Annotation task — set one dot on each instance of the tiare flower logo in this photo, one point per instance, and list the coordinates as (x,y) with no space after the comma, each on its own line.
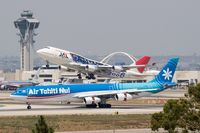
(167,74)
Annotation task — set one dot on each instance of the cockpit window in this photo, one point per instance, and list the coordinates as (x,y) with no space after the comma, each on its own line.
(21,91)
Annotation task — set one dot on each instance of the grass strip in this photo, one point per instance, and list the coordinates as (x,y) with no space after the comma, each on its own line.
(24,124)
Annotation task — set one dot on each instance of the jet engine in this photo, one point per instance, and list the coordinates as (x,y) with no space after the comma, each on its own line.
(123,97)
(91,68)
(3,86)
(91,100)
(117,68)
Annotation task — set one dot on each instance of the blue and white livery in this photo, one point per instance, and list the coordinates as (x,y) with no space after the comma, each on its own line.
(97,94)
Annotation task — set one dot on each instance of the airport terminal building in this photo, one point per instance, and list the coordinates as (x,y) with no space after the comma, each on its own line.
(54,74)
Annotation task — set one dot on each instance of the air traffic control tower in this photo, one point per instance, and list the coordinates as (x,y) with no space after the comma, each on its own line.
(26,25)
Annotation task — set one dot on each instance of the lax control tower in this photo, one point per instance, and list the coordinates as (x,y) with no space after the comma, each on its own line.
(26,25)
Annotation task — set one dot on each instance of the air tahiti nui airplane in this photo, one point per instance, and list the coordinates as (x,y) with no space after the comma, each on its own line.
(94,95)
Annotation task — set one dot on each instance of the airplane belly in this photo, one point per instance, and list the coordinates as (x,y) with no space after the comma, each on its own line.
(57,61)
(19,98)
(54,98)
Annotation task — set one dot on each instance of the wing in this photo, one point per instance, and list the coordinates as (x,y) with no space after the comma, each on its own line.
(111,92)
(105,68)
(85,68)
(127,67)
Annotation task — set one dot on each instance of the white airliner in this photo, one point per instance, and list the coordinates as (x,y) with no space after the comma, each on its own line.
(87,66)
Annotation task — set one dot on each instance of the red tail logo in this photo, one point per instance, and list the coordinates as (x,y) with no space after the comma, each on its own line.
(142,61)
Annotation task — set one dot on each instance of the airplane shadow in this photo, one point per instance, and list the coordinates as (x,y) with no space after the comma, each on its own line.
(80,107)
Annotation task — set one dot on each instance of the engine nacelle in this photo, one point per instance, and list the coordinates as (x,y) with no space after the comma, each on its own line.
(117,68)
(91,68)
(3,86)
(123,97)
(91,100)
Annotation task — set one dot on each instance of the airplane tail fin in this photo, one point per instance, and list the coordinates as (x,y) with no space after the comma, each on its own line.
(167,72)
(142,61)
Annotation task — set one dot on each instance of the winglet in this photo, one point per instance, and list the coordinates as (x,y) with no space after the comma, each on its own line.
(142,61)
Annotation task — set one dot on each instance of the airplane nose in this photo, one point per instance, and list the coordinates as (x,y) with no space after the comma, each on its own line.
(44,53)
(40,51)
(13,94)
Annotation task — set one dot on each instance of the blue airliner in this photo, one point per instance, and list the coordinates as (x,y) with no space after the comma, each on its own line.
(97,94)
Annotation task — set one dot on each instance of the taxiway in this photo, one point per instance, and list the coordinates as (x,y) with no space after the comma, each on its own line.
(52,109)
(12,108)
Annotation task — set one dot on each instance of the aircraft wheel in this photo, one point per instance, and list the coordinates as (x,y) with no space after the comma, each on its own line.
(108,105)
(79,76)
(28,107)
(92,76)
(88,77)
(91,105)
(101,105)
(104,105)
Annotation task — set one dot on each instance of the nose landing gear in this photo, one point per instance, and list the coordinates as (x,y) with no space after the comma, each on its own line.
(28,105)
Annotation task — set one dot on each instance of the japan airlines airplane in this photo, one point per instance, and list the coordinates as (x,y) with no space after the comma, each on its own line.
(97,94)
(87,66)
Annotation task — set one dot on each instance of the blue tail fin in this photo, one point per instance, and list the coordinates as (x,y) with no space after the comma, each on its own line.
(167,72)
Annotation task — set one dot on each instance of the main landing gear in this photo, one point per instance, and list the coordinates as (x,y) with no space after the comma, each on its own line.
(99,104)
(104,105)
(28,105)
(79,76)
(91,105)
(47,65)
(90,76)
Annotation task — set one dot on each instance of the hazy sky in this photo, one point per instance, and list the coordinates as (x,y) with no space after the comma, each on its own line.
(151,27)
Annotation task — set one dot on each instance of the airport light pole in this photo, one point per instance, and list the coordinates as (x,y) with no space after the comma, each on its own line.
(114,121)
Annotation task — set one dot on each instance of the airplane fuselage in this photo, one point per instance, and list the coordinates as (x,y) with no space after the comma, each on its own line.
(70,92)
(74,61)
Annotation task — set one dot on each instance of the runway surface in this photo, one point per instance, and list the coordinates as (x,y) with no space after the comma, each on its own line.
(60,109)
